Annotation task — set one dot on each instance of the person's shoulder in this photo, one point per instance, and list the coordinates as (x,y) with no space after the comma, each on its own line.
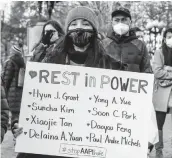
(139,44)
(8,62)
(159,52)
(38,48)
(16,58)
(106,42)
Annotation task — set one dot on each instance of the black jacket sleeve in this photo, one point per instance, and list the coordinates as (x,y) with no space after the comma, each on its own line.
(4,113)
(145,64)
(8,74)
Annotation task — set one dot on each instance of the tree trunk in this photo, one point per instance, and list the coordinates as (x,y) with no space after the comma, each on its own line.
(168,14)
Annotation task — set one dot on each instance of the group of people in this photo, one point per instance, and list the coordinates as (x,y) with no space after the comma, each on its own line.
(79,44)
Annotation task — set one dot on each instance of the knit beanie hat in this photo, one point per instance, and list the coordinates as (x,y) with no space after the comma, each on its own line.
(82,12)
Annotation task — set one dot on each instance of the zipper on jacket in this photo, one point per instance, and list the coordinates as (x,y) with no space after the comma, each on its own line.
(120,56)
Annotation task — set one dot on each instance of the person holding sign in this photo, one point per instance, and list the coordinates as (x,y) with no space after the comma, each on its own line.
(51,33)
(80,46)
(162,96)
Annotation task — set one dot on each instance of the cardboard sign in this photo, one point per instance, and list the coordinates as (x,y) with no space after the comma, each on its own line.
(84,112)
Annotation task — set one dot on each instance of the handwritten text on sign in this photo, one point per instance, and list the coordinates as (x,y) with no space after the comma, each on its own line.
(84,112)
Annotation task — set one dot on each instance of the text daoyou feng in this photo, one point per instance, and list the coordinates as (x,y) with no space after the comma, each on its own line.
(132,85)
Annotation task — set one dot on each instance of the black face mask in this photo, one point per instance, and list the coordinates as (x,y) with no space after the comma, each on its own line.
(47,37)
(81,37)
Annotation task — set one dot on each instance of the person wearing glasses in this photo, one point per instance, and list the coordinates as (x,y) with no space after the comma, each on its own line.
(51,34)
(123,45)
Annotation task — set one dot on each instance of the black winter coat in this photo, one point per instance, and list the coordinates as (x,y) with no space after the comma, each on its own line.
(129,51)
(10,79)
(4,112)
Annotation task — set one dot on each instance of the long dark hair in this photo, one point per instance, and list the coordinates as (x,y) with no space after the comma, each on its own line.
(167,52)
(56,25)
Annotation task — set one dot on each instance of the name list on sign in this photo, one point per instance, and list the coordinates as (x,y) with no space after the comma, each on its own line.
(91,124)
(53,114)
(95,111)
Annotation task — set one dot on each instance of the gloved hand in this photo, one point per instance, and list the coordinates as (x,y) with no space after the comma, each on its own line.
(47,37)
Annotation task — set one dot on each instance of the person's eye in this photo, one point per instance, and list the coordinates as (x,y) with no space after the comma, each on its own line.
(124,20)
(116,20)
(86,24)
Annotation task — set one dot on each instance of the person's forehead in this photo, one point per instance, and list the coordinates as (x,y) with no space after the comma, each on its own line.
(120,16)
(169,34)
(80,20)
(49,26)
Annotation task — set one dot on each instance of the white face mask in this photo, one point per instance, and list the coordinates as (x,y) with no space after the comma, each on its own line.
(121,28)
(169,42)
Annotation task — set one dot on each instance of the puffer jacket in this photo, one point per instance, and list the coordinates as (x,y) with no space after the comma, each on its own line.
(129,51)
(4,112)
(10,79)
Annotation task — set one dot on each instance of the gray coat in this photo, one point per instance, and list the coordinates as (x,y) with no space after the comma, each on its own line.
(160,94)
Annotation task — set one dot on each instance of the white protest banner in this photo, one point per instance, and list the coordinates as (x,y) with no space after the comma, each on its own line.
(84,112)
